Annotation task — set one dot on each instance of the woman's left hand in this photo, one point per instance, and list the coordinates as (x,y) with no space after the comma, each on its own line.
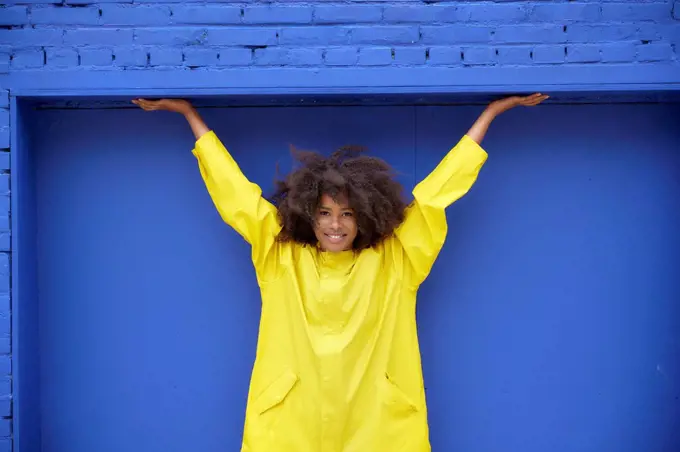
(499,106)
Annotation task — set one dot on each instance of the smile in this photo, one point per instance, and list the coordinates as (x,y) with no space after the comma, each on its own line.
(335,237)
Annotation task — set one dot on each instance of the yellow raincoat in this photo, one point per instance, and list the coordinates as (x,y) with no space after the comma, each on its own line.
(337,367)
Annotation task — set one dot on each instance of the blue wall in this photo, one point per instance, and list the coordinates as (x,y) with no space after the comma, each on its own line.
(66,47)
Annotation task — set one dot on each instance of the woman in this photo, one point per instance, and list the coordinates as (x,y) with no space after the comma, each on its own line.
(339,258)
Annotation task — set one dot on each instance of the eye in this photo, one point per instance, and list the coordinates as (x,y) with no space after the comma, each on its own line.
(323,212)
(348,214)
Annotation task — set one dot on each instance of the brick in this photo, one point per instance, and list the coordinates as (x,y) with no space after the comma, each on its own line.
(480,12)
(29,37)
(135,15)
(200,57)
(617,12)
(560,12)
(4,62)
(410,56)
(547,54)
(5,241)
(98,37)
(528,34)
(5,368)
(514,55)
(162,56)
(4,165)
(4,98)
(192,1)
(28,59)
(5,385)
(305,36)
(206,15)
(235,57)
(455,34)
(676,10)
(96,57)
(90,2)
(384,35)
(351,14)
(479,56)
(4,225)
(130,56)
(661,51)
(6,445)
(4,144)
(4,122)
(171,36)
(618,52)
(4,266)
(598,33)
(277,14)
(49,15)
(5,424)
(420,13)
(5,349)
(242,36)
(61,58)
(449,55)
(278,56)
(346,56)
(375,56)
(587,53)
(14,15)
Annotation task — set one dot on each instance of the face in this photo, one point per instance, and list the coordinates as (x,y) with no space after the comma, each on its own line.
(336,226)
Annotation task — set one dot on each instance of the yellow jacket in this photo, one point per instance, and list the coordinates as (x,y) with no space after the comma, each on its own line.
(337,367)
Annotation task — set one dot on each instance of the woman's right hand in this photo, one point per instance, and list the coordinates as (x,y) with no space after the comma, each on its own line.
(174,105)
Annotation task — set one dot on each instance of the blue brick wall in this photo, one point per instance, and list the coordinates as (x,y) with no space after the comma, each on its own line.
(57,38)
(5,306)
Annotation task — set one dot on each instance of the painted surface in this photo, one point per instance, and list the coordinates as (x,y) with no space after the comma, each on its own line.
(125,48)
(549,322)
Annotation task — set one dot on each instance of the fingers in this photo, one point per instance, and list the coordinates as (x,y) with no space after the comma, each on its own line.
(146,105)
(534,99)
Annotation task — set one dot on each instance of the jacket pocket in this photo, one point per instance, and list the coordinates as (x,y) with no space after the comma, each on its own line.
(394,398)
(276,392)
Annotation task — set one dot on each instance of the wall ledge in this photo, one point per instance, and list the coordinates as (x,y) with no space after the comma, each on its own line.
(386,80)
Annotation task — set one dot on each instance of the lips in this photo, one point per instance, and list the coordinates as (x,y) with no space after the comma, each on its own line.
(335,238)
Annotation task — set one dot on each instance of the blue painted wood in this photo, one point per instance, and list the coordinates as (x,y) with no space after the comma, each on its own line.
(552,303)
(147,301)
(26,388)
(350,80)
(551,318)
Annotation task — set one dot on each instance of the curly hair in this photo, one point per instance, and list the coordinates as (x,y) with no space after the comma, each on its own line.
(368,183)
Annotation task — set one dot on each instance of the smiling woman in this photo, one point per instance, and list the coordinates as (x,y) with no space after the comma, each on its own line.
(339,256)
(335,227)
(346,201)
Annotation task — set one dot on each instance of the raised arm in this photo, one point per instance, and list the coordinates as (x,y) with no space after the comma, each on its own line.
(239,201)
(423,232)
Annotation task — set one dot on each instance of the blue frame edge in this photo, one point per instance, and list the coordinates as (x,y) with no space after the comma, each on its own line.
(662,81)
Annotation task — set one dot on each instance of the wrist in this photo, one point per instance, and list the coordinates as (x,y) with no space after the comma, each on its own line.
(490,113)
(189,112)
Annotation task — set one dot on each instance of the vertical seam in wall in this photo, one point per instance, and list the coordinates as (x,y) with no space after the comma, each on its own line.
(415,147)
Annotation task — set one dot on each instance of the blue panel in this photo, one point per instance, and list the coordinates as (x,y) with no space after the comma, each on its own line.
(390,79)
(25,318)
(148,304)
(551,320)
